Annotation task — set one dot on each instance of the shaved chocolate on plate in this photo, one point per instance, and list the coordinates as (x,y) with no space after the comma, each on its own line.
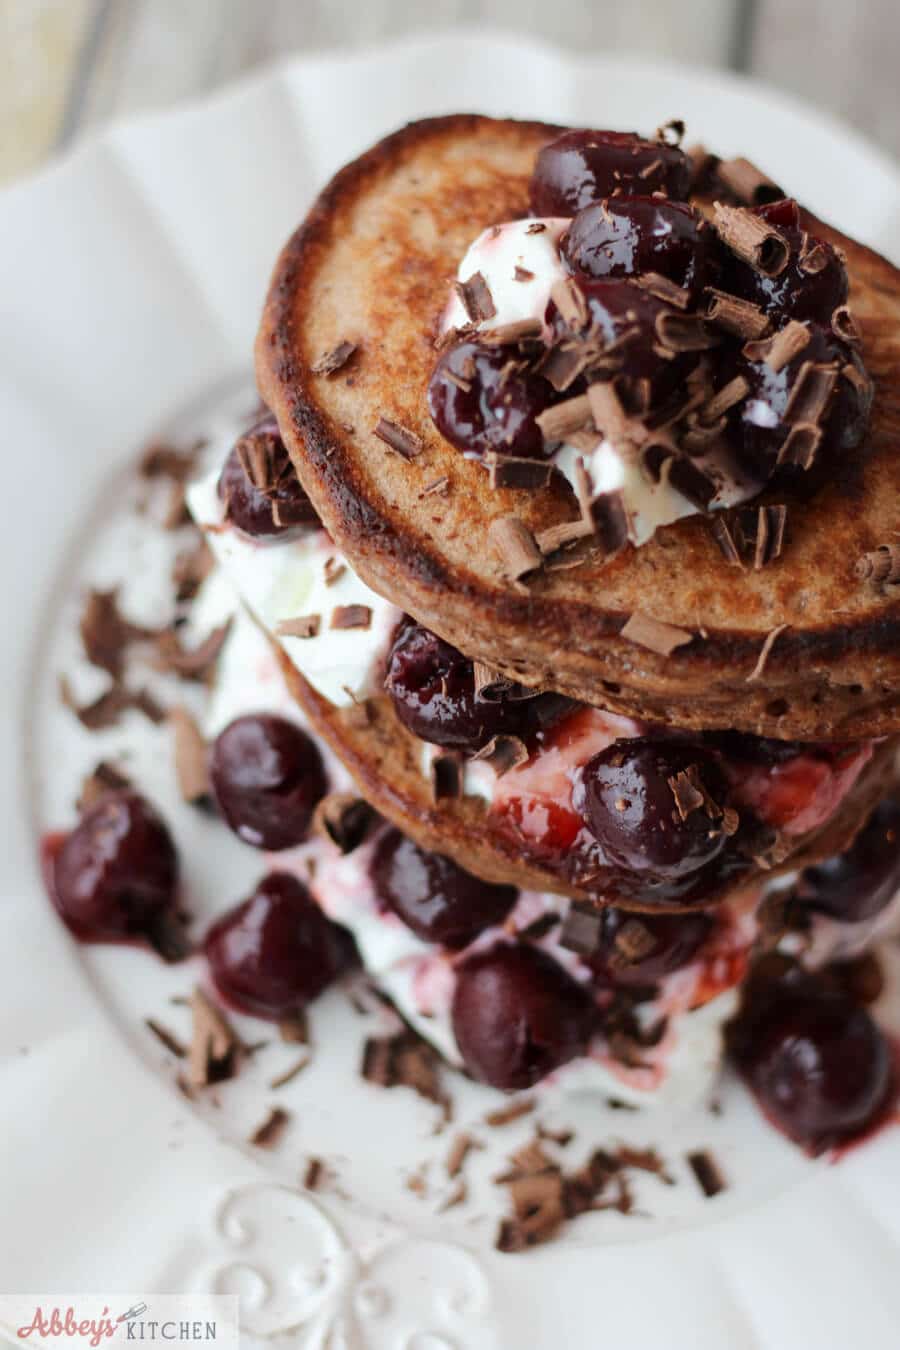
(161,460)
(765,651)
(333,569)
(351,616)
(216,1051)
(476,298)
(708,1173)
(748,183)
(191,756)
(343,818)
(522,274)
(516,546)
(741,318)
(191,568)
(103,779)
(654,634)
(404,1060)
(193,664)
(503,753)
(314,1174)
(751,239)
(505,1115)
(446,777)
(106,710)
(288,1075)
(405,442)
(106,635)
(335,359)
(462,1146)
(536,227)
(304,626)
(880,566)
(268,1134)
(166,1038)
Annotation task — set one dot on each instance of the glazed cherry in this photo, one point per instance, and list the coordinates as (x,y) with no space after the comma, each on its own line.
(757,427)
(268,777)
(480,405)
(432,687)
(630,235)
(281,508)
(617,310)
(817,1063)
(581,167)
(630,807)
(802,290)
(859,883)
(432,895)
(115,875)
(517,1015)
(274,953)
(641,949)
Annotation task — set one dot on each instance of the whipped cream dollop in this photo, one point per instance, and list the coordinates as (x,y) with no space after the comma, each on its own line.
(502,254)
(297,576)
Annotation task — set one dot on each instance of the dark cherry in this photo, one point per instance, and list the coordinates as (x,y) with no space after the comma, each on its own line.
(795,293)
(517,1015)
(858,884)
(267,776)
(116,873)
(615,308)
(757,428)
(676,940)
(276,952)
(581,167)
(489,408)
(432,895)
(817,1063)
(432,687)
(253,511)
(630,235)
(630,808)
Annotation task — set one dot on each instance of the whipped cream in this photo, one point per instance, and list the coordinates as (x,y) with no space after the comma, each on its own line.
(611,468)
(285,578)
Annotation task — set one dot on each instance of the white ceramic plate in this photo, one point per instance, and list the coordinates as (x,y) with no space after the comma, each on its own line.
(131,275)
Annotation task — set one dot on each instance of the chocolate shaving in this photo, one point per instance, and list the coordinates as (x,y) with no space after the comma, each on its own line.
(106,710)
(663,288)
(404,1060)
(516,546)
(813,256)
(609,413)
(294,1029)
(654,635)
(539,927)
(165,1037)
(522,274)
(216,1050)
(161,460)
(269,1133)
(803,440)
(685,332)
(191,665)
(314,1174)
(446,777)
(723,536)
(557,421)
(490,685)
(671,132)
(708,1173)
(770,526)
(536,227)
(344,819)
(568,298)
(781,348)
(610,522)
(405,442)
(106,635)
(632,943)
(811,394)
(508,334)
(557,537)
(507,471)
(503,753)
(581,928)
(103,779)
(452,378)
(282,1079)
(561,365)
(191,568)
(845,327)
(505,1115)
(727,397)
(688,796)
(191,756)
(304,626)
(438,486)
(748,183)
(334,360)
(741,318)
(751,239)
(460,1149)
(351,616)
(333,569)
(880,566)
(476,298)
(765,650)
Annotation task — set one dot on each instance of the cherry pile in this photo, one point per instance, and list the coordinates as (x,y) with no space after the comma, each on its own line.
(632,228)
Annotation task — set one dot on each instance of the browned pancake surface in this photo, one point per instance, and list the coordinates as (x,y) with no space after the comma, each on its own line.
(372,265)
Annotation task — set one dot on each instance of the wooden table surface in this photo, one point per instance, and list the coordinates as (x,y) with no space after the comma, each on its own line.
(69,65)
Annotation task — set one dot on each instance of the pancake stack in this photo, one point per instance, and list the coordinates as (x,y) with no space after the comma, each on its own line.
(603,605)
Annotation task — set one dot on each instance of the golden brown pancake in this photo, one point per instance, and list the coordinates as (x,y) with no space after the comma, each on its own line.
(372,264)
